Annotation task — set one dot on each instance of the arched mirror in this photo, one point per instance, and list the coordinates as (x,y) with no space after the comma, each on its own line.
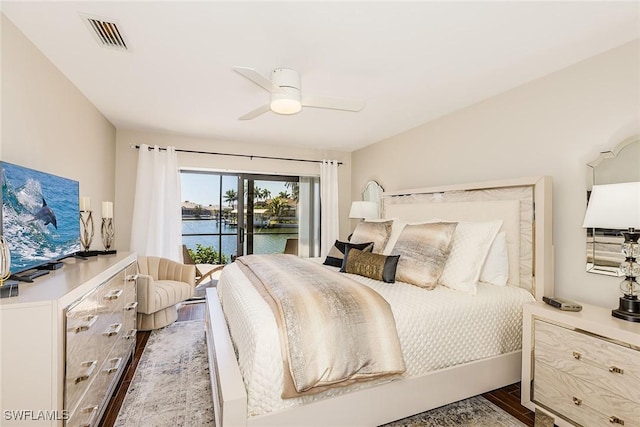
(373,193)
(621,164)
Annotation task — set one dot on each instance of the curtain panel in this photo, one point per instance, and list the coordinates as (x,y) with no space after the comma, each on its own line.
(156,228)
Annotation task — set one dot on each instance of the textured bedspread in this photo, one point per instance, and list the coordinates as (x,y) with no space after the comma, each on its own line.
(437,329)
(333,330)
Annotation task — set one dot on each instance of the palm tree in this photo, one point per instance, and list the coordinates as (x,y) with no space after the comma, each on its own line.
(266,194)
(284,195)
(295,189)
(276,206)
(230,196)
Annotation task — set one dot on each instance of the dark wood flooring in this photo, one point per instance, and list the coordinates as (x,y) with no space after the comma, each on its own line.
(507,398)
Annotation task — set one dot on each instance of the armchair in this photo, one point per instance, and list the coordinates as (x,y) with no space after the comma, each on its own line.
(162,284)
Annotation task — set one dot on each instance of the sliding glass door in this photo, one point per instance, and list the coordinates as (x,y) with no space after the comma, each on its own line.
(226,215)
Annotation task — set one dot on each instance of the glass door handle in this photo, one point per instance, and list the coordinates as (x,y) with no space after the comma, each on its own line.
(241,233)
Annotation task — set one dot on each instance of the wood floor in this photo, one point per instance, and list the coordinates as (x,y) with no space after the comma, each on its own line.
(507,398)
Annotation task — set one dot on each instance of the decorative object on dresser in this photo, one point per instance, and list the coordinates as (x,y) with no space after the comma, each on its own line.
(106,230)
(66,339)
(580,368)
(8,288)
(617,206)
(86,221)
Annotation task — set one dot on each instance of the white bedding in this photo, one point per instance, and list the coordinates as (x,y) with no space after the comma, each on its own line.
(437,329)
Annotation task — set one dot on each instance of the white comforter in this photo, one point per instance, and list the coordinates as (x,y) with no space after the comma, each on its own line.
(437,329)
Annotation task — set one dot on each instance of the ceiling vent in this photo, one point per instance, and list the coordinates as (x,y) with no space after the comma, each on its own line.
(106,32)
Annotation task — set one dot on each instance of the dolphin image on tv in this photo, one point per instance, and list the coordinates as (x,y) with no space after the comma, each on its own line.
(45,214)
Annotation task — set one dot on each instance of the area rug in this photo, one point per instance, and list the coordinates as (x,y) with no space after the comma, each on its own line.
(171,387)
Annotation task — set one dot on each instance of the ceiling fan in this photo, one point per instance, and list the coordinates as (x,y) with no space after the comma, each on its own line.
(286,98)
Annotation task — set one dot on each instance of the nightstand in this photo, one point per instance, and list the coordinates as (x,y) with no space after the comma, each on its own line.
(580,368)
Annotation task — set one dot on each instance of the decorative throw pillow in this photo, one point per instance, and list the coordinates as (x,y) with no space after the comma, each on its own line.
(336,253)
(469,249)
(374,266)
(377,232)
(496,267)
(423,249)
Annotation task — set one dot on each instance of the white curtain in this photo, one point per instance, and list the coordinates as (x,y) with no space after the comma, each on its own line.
(330,229)
(156,226)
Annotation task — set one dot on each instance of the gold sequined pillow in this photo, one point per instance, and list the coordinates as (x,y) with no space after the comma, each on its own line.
(374,266)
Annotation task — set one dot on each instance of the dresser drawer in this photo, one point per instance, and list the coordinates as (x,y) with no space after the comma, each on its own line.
(590,359)
(585,403)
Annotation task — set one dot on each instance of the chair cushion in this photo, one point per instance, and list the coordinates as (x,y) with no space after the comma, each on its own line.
(168,293)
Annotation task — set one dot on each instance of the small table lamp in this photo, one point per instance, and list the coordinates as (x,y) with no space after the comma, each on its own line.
(364,210)
(617,206)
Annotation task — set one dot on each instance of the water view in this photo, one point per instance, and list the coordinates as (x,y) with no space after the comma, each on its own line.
(208,232)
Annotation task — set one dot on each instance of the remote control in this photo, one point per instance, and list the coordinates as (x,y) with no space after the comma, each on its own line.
(562,304)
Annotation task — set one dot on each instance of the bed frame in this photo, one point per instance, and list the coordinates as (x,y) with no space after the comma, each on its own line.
(396,399)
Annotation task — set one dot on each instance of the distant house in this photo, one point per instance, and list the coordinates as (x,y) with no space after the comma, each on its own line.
(192,210)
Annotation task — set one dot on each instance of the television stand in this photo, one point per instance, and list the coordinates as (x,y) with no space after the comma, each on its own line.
(28,275)
(54,265)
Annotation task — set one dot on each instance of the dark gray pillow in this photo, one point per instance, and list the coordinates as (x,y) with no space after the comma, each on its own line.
(374,266)
(336,254)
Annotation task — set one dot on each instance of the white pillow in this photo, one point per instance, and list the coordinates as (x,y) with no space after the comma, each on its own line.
(496,267)
(469,249)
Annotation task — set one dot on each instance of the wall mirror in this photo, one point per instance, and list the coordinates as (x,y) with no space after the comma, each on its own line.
(373,193)
(621,164)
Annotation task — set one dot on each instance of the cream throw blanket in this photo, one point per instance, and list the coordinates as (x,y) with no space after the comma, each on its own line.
(333,330)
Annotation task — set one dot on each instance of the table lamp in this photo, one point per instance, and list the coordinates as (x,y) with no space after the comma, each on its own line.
(617,206)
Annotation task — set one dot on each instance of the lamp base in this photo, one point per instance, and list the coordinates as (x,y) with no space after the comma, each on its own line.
(629,309)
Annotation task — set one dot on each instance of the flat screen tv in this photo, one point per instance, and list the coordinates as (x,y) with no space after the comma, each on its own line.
(40,218)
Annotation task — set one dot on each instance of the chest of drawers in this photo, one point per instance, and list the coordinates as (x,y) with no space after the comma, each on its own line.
(581,368)
(65,340)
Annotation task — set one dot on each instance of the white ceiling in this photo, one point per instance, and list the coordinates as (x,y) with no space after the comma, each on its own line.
(410,61)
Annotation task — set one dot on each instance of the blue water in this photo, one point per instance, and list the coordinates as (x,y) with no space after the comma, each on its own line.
(31,241)
(265,240)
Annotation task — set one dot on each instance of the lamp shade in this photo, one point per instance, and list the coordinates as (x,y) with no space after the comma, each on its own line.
(366,210)
(614,206)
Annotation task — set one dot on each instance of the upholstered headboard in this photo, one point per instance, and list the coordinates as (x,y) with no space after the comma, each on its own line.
(523,205)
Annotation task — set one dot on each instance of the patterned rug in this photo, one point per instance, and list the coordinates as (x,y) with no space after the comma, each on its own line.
(171,387)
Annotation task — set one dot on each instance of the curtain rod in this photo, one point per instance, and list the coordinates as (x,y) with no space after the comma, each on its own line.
(250,156)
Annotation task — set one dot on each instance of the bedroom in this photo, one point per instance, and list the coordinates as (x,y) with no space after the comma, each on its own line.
(552,125)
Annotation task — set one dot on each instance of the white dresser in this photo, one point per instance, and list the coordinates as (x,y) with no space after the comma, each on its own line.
(581,368)
(65,341)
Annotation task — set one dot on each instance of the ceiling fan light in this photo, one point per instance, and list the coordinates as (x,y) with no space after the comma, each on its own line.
(286,106)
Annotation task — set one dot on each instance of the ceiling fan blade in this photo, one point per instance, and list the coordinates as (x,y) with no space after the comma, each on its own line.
(255,113)
(258,79)
(347,104)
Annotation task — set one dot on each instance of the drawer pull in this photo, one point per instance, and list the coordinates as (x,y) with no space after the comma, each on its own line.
(615,420)
(577,401)
(131,306)
(131,278)
(90,321)
(93,410)
(91,366)
(577,355)
(115,367)
(616,370)
(113,330)
(131,334)
(115,294)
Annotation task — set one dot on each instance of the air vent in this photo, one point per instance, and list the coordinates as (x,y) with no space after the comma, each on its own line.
(106,32)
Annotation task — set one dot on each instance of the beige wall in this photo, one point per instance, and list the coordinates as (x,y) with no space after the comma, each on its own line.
(48,125)
(126,165)
(551,126)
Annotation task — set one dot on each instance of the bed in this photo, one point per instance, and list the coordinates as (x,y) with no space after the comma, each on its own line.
(442,365)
